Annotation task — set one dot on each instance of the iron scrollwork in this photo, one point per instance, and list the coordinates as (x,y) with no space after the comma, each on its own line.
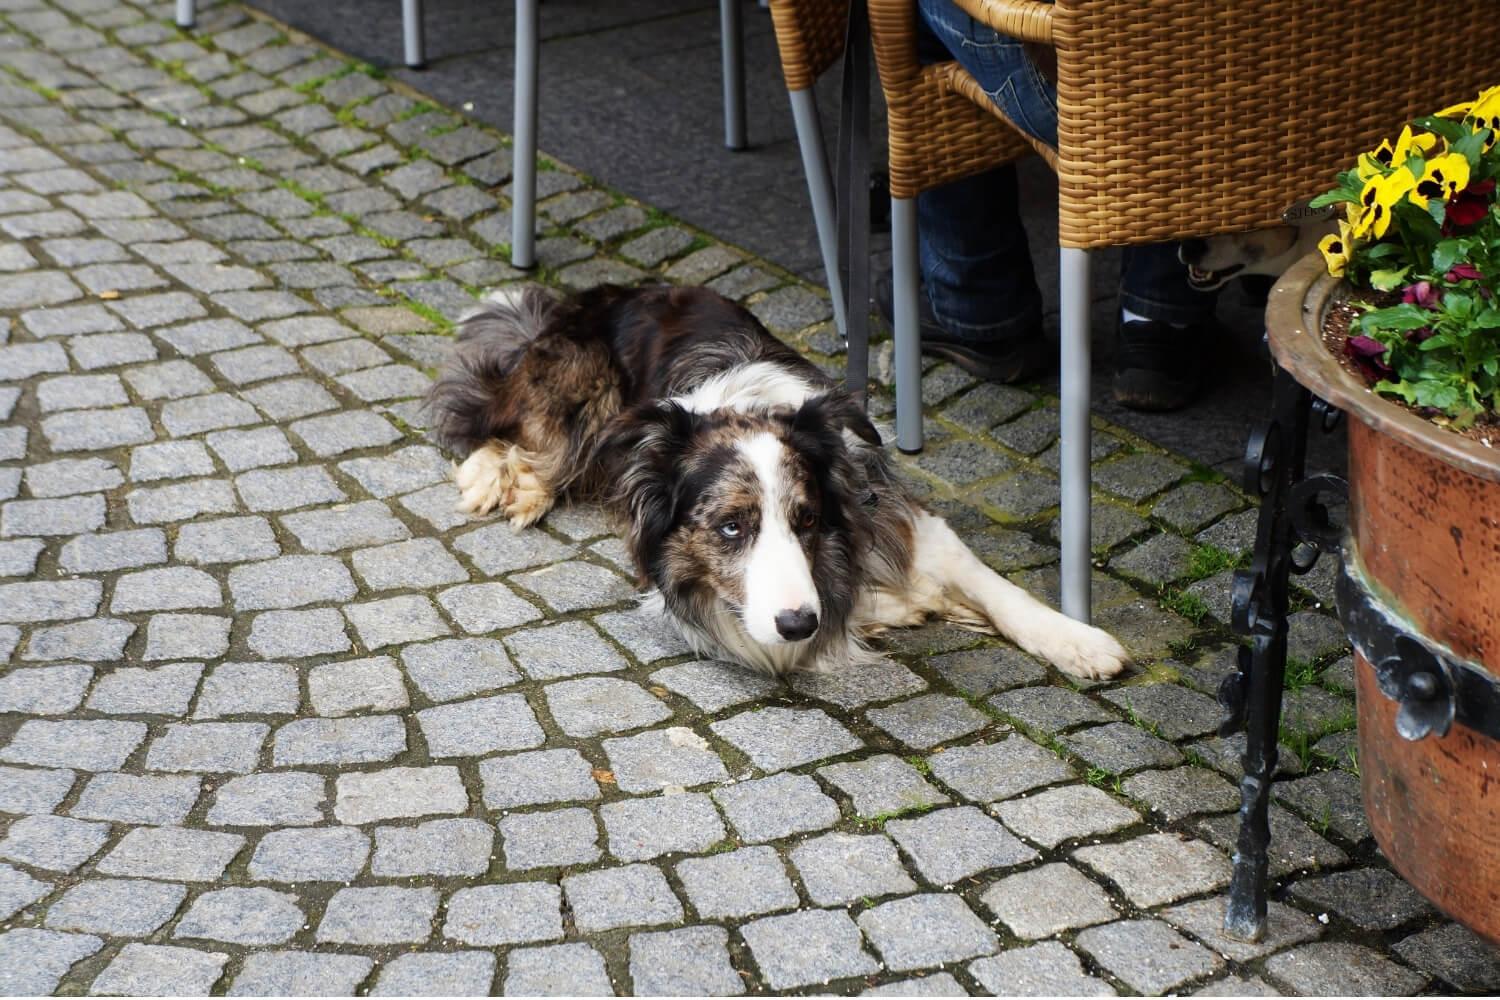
(1296,525)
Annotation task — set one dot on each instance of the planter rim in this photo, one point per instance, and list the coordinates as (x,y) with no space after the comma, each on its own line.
(1294,325)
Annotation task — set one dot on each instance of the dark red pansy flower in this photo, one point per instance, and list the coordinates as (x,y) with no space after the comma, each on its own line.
(1470,205)
(1462,272)
(1422,293)
(1368,353)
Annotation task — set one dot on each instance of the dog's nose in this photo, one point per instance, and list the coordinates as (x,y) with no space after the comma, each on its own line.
(798,624)
(1191,250)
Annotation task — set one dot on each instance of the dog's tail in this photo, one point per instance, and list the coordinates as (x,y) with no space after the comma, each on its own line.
(491,342)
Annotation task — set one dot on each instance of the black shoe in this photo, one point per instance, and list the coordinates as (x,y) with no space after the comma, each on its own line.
(1012,359)
(1157,365)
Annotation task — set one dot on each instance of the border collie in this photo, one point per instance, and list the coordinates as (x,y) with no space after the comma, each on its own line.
(755,497)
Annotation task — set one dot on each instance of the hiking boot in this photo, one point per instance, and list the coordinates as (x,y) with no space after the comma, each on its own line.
(1157,365)
(1008,359)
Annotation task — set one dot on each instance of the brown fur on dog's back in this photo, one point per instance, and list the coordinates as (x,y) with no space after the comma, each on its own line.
(517,376)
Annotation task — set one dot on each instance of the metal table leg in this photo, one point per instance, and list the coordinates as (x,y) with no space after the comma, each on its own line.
(523,152)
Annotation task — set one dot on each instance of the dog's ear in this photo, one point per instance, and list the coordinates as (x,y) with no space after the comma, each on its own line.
(642,452)
(838,410)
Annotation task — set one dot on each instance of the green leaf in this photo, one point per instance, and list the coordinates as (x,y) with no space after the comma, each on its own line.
(1335,197)
(1385,280)
(1447,253)
(1436,342)
(1445,127)
(1380,251)
(1439,395)
(1488,319)
(1396,319)
(1471,146)
(1437,210)
(1402,388)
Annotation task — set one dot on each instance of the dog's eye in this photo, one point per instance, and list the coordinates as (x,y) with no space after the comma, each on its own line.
(807,521)
(731,529)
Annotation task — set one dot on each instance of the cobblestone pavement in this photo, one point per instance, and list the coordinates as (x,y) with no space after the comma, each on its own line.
(273,719)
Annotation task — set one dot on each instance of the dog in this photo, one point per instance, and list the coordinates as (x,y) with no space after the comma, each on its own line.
(1212,262)
(756,499)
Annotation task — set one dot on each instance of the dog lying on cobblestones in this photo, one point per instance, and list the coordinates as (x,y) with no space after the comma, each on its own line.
(756,498)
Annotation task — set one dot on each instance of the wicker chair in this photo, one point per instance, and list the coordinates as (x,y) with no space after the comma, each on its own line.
(1176,118)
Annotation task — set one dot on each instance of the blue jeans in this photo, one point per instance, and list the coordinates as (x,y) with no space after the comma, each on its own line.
(976,265)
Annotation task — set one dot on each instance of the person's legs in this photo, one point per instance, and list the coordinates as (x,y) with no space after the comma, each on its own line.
(975,261)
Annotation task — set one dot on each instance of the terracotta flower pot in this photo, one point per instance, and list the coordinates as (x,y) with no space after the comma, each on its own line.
(1420,599)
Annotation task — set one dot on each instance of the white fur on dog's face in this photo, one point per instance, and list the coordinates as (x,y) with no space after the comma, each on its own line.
(1213,261)
(778,578)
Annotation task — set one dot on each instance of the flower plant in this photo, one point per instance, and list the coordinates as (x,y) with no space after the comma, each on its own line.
(1420,226)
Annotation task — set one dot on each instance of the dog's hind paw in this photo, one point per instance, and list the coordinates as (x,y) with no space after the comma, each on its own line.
(484,480)
(528,500)
(1084,651)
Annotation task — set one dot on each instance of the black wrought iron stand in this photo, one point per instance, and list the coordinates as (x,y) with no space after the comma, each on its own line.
(1294,529)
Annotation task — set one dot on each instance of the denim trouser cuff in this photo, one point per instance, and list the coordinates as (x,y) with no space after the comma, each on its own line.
(1023,322)
(1176,313)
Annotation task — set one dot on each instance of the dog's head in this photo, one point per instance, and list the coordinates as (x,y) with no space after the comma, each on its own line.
(746,512)
(1213,261)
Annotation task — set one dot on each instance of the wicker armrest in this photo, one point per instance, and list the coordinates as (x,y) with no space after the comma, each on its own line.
(1028,20)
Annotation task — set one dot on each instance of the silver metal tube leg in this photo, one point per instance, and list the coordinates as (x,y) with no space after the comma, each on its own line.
(186,13)
(1073,281)
(820,190)
(411,33)
(732,27)
(523,166)
(904,279)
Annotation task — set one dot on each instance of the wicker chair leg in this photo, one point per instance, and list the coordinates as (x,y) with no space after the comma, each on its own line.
(820,191)
(186,13)
(411,34)
(523,184)
(732,27)
(1073,279)
(908,333)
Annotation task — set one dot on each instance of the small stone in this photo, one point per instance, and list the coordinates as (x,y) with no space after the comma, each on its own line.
(839,868)
(928,720)
(352,685)
(462,973)
(544,776)
(663,758)
(395,620)
(345,526)
(926,930)
(564,970)
(642,829)
(127,798)
(1329,967)
(160,970)
(691,961)
(33,962)
(1158,867)
(591,706)
(983,671)
(386,915)
(164,690)
(447,847)
(776,807)
(1456,955)
(1121,748)
(53,843)
(779,738)
(953,844)
(1182,792)
(807,948)
(280,798)
(883,786)
(249,689)
(1371,899)
(634,895)
(286,489)
(172,853)
(171,637)
(320,854)
(24,791)
(45,690)
(1047,969)
(242,916)
(366,797)
(739,883)
(483,725)
(300,973)
(1070,813)
(1204,919)
(481,608)
(518,913)
(987,773)
(208,746)
(88,745)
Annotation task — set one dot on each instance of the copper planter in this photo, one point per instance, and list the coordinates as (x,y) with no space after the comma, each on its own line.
(1420,598)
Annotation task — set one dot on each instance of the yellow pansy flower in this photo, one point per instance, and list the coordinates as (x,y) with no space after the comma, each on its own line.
(1380,194)
(1370,165)
(1406,143)
(1444,177)
(1337,248)
(1486,114)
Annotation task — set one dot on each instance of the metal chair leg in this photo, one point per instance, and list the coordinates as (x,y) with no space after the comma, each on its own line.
(1073,280)
(732,27)
(820,191)
(523,152)
(904,281)
(411,34)
(186,13)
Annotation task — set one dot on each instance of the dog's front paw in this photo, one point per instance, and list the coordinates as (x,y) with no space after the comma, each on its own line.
(527,501)
(484,481)
(1087,652)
